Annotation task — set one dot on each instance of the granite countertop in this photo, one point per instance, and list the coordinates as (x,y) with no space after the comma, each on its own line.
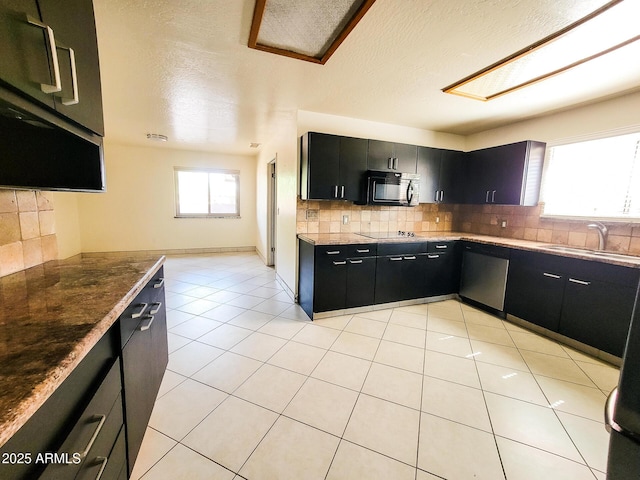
(584,254)
(51,316)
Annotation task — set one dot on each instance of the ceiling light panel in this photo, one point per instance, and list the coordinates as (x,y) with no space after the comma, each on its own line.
(609,28)
(305,29)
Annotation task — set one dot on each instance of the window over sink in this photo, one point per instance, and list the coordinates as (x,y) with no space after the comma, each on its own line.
(212,193)
(594,179)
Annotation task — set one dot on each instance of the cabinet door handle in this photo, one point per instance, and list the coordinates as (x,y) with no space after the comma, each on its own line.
(342,191)
(335,191)
(433,256)
(395,163)
(343,262)
(55,67)
(412,257)
(551,275)
(160,284)
(355,261)
(138,314)
(333,252)
(155,308)
(579,282)
(493,196)
(441,195)
(366,250)
(103,461)
(96,418)
(395,259)
(437,195)
(74,77)
(441,246)
(486,198)
(143,328)
(390,163)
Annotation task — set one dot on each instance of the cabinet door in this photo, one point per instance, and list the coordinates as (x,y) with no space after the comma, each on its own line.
(74,25)
(478,184)
(597,313)
(353,167)
(452,179)
(25,61)
(380,156)
(429,169)
(144,359)
(507,167)
(330,283)
(535,294)
(442,274)
(361,275)
(320,162)
(399,277)
(407,157)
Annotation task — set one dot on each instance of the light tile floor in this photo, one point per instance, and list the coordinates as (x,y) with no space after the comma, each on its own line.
(255,390)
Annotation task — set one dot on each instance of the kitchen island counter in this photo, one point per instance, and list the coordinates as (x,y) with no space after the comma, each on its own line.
(51,316)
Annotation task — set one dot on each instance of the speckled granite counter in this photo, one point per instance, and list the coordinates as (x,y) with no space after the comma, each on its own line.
(355,238)
(50,318)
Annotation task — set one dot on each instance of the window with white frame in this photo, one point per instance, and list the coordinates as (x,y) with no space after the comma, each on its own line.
(204,192)
(596,179)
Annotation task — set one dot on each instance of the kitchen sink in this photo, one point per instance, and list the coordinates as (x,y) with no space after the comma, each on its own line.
(595,253)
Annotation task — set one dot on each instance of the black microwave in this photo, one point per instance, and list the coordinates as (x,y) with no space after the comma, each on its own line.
(392,188)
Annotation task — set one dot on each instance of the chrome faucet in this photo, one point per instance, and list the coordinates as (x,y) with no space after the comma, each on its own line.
(602,234)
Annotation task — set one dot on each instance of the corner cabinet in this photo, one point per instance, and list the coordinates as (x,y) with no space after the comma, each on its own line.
(332,167)
(505,175)
(49,53)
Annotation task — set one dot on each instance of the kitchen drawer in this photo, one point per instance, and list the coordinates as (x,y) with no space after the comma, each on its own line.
(331,251)
(362,250)
(94,433)
(441,247)
(111,465)
(402,248)
(147,301)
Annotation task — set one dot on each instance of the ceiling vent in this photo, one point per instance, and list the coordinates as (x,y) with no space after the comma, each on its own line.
(309,30)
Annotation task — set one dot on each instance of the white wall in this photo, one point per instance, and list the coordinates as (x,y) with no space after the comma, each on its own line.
(65,206)
(137,211)
(353,127)
(610,115)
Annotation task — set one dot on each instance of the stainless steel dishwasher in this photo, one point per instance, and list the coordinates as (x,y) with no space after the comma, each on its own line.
(484,274)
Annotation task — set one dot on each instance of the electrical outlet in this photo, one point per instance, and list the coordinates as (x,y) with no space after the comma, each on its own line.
(312,214)
(345,219)
(437,219)
(503,224)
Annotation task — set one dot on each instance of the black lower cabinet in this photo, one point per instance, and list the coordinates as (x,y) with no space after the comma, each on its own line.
(442,274)
(588,301)
(144,359)
(361,274)
(535,289)
(400,277)
(597,313)
(330,290)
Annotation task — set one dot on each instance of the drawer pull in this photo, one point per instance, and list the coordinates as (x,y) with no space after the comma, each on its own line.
(142,328)
(55,66)
(362,251)
(96,418)
(103,461)
(159,284)
(395,259)
(579,282)
(441,246)
(155,308)
(343,262)
(433,256)
(355,261)
(551,275)
(138,314)
(333,252)
(412,257)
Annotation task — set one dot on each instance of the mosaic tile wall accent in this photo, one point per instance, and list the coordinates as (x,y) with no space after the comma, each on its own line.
(27,230)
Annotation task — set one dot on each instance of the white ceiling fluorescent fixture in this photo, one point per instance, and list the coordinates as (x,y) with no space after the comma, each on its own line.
(310,30)
(607,29)
(157,137)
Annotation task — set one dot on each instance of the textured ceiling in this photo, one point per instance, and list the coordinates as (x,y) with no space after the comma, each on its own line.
(183,69)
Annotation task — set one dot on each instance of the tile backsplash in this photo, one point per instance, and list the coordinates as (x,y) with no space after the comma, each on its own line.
(27,230)
(519,222)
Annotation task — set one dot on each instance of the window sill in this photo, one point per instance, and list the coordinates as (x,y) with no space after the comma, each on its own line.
(569,218)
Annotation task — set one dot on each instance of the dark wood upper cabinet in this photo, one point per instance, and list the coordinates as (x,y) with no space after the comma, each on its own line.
(441,175)
(505,175)
(332,167)
(392,157)
(70,85)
